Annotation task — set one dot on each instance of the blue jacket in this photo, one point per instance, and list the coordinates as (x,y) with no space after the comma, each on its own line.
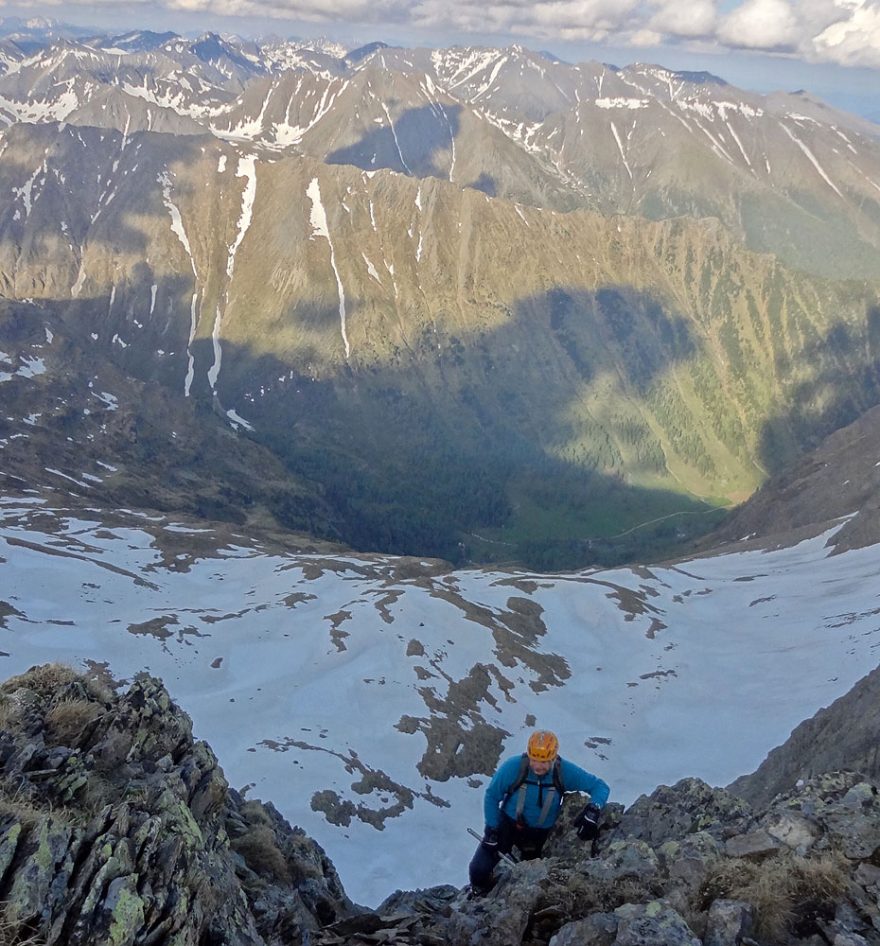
(574,779)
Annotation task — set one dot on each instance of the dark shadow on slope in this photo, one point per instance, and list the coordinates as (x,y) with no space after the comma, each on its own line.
(74,178)
(413,146)
(420,454)
(457,435)
(454,433)
(485,183)
(844,384)
(412,457)
(100,426)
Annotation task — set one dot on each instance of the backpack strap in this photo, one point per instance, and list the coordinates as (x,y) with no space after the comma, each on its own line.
(521,776)
(557,776)
(520,785)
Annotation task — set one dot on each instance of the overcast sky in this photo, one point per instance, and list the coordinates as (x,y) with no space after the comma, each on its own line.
(830,47)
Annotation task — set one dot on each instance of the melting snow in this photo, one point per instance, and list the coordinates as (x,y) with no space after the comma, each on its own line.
(671,697)
(620,149)
(371,269)
(318,218)
(622,103)
(179,230)
(31,366)
(246,169)
(237,421)
(812,159)
(108,399)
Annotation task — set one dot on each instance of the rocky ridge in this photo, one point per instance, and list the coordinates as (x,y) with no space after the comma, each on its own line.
(843,734)
(117,827)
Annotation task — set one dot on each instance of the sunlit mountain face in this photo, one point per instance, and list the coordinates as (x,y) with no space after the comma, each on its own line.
(470,303)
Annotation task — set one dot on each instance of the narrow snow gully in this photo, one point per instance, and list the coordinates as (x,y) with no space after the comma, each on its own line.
(247,168)
(318,218)
(179,231)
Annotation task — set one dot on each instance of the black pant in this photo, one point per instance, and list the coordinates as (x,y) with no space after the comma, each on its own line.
(529,841)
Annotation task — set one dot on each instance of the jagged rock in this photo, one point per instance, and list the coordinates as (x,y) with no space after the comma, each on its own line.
(563,841)
(728,923)
(689,806)
(846,809)
(115,830)
(652,924)
(433,901)
(687,862)
(791,830)
(623,859)
(600,929)
(118,829)
(755,844)
(840,736)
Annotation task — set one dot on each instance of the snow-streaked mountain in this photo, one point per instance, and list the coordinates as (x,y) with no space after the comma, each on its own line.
(370,698)
(437,352)
(787,173)
(470,301)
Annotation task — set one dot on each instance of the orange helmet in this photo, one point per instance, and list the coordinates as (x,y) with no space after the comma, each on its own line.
(543,746)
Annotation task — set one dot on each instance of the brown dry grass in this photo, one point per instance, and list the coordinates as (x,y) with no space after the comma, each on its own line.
(788,892)
(45,679)
(50,680)
(67,720)
(8,712)
(16,805)
(261,853)
(11,934)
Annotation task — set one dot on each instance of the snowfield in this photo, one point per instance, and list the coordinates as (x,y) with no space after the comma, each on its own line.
(346,689)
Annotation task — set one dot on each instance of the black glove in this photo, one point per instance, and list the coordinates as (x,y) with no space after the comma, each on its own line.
(587,823)
(490,839)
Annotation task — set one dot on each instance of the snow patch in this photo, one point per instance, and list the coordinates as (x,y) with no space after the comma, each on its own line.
(318,219)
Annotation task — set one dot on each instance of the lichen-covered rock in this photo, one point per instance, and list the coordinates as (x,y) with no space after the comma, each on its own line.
(755,844)
(623,859)
(843,807)
(728,923)
(689,806)
(600,929)
(688,862)
(652,924)
(115,834)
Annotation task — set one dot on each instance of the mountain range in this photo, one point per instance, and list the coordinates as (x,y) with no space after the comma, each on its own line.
(471,303)
(321,369)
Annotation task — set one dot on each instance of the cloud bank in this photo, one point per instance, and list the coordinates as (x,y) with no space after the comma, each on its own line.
(845,32)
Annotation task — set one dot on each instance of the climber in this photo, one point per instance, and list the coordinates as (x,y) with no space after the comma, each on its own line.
(522,803)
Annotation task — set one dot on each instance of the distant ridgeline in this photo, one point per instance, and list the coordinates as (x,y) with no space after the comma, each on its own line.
(474,304)
(116,827)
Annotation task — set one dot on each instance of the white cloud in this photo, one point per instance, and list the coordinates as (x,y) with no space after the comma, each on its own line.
(553,19)
(674,18)
(854,41)
(841,31)
(761,24)
(838,31)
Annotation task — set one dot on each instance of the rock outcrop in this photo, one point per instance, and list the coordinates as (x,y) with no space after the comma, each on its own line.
(117,828)
(840,736)
(689,865)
